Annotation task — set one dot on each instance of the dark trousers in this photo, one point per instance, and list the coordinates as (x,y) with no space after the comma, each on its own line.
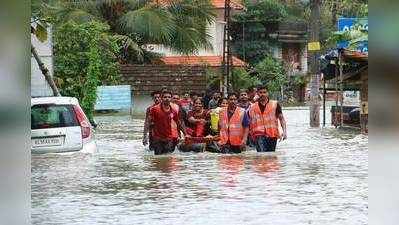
(229,149)
(265,144)
(163,147)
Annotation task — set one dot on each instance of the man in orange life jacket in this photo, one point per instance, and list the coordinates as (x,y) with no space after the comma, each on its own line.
(156,97)
(167,124)
(233,123)
(264,116)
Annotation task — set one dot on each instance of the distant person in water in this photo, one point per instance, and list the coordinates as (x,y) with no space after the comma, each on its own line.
(264,116)
(167,125)
(147,133)
(233,123)
(243,101)
(198,126)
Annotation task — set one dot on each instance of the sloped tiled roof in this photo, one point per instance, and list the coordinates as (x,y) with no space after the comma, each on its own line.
(218,4)
(199,60)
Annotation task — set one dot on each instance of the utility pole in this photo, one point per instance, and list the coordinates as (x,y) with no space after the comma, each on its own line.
(314,48)
(227,58)
(45,72)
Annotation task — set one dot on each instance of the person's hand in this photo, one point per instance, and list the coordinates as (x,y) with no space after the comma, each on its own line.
(202,121)
(284,136)
(244,143)
(145,140)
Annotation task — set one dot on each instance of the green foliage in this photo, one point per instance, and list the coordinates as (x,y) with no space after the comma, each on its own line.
(252,27)
(84,58)
(240,79)
(213,78)
(354,37)
(178,24)
(269,11)
(271,73)
(298,80)
(331,10)
(255,24)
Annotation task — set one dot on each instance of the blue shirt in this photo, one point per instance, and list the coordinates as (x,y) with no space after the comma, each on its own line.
(245,120)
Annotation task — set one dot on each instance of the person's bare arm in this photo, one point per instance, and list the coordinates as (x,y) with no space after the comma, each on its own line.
(283,125)
(147,123)
(192,119)
(181,127)
(244,138)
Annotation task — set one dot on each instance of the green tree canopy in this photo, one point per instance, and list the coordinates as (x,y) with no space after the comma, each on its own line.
(178,24)
(85,57)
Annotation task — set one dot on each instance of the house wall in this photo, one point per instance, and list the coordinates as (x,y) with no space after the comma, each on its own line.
(39,86)
(216,32)
(145,79)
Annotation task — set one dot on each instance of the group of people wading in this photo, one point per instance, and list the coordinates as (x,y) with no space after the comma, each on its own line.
(225,125)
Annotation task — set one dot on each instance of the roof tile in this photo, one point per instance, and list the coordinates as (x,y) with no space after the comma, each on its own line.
(199,60)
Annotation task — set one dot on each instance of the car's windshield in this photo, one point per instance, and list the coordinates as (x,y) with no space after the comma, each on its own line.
(52,116)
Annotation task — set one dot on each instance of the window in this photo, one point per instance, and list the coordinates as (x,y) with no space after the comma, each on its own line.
(52,116)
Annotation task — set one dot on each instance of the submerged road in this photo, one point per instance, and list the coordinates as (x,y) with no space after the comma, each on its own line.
(317,176)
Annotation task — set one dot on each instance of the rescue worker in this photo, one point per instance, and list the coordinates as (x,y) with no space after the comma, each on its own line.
(156,98)
(233,123)
(167,124)
(243,101)
(264,116)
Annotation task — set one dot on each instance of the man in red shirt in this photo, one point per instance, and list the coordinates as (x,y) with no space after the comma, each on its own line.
(156,97)
(167,125)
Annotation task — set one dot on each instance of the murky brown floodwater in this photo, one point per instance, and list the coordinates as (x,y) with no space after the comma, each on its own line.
(316,177)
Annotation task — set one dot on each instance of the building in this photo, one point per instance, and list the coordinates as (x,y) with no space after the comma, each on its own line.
(212,56)
(39,86)
(352,77)
(180,72)
(292,50)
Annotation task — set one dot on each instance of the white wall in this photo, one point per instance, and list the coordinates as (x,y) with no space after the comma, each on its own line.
(39,86)
(215,30)
(216,34)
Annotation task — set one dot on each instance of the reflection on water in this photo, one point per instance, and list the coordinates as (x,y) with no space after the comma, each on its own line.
(266,165)
(165,164)
(317,176)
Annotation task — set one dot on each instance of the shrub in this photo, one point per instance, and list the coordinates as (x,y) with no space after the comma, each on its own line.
(85,57)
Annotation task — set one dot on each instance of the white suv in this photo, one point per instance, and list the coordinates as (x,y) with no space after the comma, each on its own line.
(58,124)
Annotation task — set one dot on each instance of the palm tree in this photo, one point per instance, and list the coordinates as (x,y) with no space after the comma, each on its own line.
(178,24)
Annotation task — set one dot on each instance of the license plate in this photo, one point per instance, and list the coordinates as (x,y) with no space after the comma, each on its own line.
(44,142)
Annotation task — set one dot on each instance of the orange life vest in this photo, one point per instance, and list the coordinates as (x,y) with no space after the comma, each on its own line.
(231,130)
(266,123)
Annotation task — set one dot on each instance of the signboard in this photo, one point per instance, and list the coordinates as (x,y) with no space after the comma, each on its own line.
(351,98)
(314,46)
(113,97)
(347,24)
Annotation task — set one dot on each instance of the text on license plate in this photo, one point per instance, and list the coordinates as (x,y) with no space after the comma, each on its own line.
(40,142)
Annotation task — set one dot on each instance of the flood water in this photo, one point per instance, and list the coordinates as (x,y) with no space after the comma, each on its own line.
(317,176)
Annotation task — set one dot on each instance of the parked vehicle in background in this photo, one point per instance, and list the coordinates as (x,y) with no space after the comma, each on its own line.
(58,124)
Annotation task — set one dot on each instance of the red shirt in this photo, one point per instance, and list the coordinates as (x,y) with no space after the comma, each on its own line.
(198,129)
(185,103)
(161,120)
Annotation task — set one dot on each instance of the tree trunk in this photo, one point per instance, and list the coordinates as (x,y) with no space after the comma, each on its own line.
(45,72)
